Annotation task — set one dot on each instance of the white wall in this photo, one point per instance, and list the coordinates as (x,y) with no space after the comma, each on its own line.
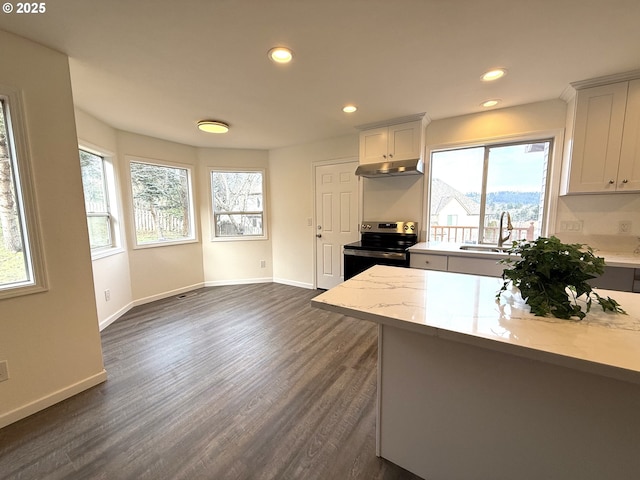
(291,187)
(157,272)
(111,272)
(50,339)
(600,215)
(520,120)
(393,198)
(234,261)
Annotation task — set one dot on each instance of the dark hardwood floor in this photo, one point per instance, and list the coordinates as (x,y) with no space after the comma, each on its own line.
(237,382)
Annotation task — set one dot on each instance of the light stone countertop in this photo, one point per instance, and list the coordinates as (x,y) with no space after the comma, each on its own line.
(462,308)
(445,248)
(611,258)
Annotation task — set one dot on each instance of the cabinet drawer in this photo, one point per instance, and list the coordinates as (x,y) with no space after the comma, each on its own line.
(428,262)
(476,266)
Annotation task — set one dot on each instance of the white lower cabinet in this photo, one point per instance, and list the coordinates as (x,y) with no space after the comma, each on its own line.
(624,279)
(458,264)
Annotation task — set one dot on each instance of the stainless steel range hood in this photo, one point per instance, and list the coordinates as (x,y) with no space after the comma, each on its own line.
(391,169)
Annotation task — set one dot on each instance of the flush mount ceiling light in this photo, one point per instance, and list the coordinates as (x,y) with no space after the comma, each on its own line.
(213,126)
(280,55)
(494,74)
(349,108)
(490,103)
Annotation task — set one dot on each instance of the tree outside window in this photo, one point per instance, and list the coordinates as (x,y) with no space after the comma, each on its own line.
(15,260)
(162,203)
(96,200)
(238,203)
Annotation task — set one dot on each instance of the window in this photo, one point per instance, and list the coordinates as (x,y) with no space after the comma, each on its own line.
(162,203)
(238,204)
(21,265)
(475,185)
(96,199)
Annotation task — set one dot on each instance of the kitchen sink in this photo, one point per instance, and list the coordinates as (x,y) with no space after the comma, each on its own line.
(483,248)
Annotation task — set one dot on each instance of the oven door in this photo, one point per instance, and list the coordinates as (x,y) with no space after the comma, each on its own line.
(357,261)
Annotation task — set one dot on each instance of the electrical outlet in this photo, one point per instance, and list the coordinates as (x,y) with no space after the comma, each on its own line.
(4,371)
(571,226)
(624,226)
(263,264)
(107,295)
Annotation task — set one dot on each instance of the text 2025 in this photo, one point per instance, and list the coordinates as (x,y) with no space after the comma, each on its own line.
(31,7)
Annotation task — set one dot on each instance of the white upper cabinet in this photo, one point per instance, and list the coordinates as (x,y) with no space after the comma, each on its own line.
(393,142)
(606,139)
(629,169)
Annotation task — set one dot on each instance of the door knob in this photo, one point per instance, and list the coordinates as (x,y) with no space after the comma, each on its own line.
(319,235)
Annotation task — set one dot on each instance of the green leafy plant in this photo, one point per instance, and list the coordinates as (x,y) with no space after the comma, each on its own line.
(551,275)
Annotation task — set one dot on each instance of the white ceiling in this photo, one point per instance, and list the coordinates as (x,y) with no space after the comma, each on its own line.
(156,67)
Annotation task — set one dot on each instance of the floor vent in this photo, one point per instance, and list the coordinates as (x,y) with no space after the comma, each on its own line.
(186,295)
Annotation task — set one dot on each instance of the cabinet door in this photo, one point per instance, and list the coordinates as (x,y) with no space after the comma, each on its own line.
(373,145)
(405,141)
(597,138)
(629,170)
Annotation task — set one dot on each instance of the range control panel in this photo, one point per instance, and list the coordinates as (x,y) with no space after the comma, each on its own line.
(389,227)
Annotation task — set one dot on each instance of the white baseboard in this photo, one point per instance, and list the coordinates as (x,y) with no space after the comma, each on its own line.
(51,399)
(293,283)
(104,323)
(215,283)
(112,318)
(238,281)
(170,293)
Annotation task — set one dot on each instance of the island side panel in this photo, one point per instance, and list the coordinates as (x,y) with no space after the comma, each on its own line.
(454,411)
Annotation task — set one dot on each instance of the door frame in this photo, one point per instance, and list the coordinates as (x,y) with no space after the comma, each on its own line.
(314,220)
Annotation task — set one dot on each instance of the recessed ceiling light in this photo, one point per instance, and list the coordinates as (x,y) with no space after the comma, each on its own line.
(280,54)
(213,126)
(494,74)
(490,103)
(349,108)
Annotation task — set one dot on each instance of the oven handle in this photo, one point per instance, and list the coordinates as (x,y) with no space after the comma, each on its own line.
(374,254)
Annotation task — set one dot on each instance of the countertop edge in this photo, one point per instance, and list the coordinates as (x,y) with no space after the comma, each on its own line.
(583,365)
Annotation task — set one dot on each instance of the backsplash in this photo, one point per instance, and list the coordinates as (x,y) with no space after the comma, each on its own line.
(605,222)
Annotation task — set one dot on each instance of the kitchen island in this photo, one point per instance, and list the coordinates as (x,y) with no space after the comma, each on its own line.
(465,391)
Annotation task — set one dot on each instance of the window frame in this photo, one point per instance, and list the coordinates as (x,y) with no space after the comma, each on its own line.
(112,199)
(20,154)
(212,216)
(193,225)
(554,171)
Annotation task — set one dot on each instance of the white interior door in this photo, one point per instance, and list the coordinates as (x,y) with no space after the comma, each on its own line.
(336,219)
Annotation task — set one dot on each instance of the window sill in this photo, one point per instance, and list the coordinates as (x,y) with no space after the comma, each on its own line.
(107,252)
(239,239)
(171,243)
(19,291)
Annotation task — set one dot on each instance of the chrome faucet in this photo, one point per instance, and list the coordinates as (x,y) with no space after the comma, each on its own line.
(502,239)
